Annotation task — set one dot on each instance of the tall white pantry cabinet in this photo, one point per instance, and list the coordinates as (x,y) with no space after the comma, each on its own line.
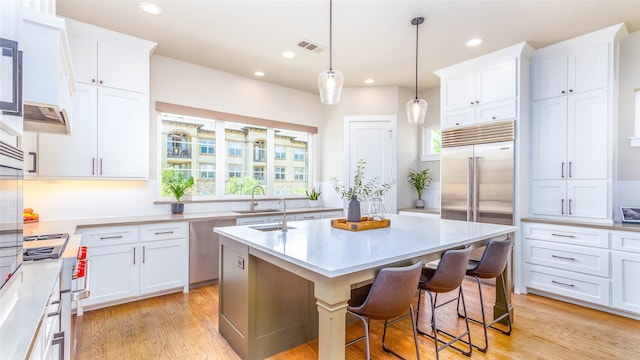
(571,248)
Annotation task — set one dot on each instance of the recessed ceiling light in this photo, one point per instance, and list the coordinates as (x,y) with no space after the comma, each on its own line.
(258,73)
(150,8)
(288,54)
(369,81)
(474,42)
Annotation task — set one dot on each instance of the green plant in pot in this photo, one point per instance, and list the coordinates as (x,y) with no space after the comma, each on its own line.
(420,180)
(178,186)
(313,196)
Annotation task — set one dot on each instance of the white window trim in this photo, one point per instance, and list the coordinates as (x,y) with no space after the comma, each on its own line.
(427,154)
(634,141)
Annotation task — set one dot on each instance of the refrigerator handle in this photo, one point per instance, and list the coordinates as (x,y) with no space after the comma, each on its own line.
(475,189)
(470,189)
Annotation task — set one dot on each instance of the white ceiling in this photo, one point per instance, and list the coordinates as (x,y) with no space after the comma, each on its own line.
(371,39)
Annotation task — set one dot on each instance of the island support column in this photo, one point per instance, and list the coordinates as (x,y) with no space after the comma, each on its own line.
(332,296)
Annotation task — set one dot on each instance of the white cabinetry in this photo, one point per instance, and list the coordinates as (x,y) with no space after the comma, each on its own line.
(290,217)
(483,89)
(626,267)
(129,262)
(110,133)
(572,127)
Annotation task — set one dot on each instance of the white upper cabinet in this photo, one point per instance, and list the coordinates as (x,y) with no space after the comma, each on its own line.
(577,71)
(483,89)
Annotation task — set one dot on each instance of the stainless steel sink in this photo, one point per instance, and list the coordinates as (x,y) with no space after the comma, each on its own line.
(257,211)
(269,227)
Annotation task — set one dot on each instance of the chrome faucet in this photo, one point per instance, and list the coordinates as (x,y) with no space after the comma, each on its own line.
(253,201)
(284,216)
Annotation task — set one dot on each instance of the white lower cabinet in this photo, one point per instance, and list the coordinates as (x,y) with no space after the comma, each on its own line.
(586,264)
(128,262)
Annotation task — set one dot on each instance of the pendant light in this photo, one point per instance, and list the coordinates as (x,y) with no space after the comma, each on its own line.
(416,108)
(330,81)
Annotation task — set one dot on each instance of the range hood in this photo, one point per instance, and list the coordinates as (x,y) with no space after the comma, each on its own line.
(47,75)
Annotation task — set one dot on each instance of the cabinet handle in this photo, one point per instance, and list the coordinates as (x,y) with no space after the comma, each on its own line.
(561,208)
(562,235)
(100,82)
(570,163)
(570,201)
(570,90)
(493,117)
(477,102)
(100,166)
(563,92)
(110,237)
(561,283)
(35,160)
(93,166)
(471,103)
(562,171)
(164,232)
(144,254)
(563,257)
(93,81)
(134,255)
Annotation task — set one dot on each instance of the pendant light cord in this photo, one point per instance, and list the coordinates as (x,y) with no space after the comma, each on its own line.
(417,26)
(330,35)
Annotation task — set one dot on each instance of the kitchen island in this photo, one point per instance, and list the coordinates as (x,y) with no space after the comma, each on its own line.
(269,278)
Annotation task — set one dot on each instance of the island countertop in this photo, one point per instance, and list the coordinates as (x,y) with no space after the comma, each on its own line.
(331,252)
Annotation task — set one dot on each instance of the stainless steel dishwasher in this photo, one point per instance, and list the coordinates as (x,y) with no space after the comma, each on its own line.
(203,251)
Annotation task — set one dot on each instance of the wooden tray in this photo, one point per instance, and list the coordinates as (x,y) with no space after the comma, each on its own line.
(29,221)
(365,224)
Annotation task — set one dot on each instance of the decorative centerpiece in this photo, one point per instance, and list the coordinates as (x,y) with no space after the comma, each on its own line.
(420,180)
(361,191)
(314,197)
(178,186)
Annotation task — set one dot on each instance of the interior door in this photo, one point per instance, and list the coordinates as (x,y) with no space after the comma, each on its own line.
(372,139)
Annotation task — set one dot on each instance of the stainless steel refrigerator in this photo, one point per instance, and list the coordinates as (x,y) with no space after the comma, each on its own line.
(477,173)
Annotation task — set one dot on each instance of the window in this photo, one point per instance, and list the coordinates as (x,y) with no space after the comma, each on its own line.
(235,171)
(280,173)
(281,152)
(207,171)
(298,173)
(259,151)
(207,146)
(235,149)
(431,138)
(298,154)
(258,172)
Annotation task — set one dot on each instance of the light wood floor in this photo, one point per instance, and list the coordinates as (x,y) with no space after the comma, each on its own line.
(185,326)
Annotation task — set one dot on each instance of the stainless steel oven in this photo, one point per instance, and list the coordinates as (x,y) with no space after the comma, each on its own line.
(11,182)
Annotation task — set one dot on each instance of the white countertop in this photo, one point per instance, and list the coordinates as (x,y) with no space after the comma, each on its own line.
(316,246)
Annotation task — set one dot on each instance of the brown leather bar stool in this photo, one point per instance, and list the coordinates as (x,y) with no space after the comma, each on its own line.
(491,265)
(389,297)
(445,278)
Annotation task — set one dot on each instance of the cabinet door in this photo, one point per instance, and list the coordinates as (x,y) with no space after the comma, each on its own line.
(84,52)
(113,273)
(458,91)
(30,148)
(586,198)
(496,82)
(122,67)
(626,292)
(75,154)
(252,220)
(549,77)
(549,139)
(588,69)
(123,133)
(588,141)
(497,110)
(460,117)
(548,197)
(164,265)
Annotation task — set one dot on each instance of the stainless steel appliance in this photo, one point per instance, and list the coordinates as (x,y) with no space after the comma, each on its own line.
(11,182)
(477,173)
(203,250)
(39,247)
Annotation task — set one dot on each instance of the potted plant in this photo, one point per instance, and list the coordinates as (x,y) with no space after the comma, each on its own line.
(361,191)
(313,196)
(420,180)
(178,186)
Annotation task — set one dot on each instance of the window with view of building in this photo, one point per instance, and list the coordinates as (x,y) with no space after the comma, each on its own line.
(246,159)
(208,146)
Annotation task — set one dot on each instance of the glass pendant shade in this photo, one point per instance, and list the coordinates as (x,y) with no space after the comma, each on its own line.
(330,86)
(416,111)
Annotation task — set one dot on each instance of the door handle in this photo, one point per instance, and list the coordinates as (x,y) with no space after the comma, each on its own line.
(35,161)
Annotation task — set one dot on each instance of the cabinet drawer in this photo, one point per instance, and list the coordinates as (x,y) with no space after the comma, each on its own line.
(588,288)
(163,231)
(109,236)
(581,259)
(252,220)
(627,241)
(309,216)
(332,214)
(499,110)
(566,234)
